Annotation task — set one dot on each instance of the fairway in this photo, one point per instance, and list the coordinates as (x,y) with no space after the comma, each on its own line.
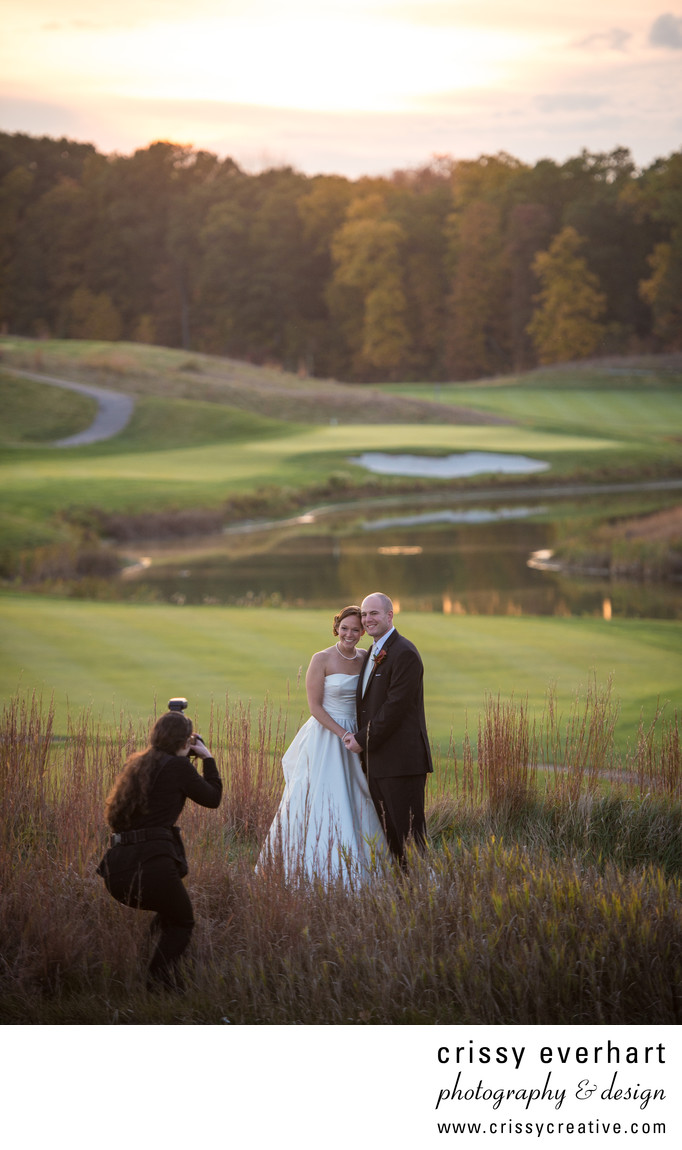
(268,460)
(624,414)
(203,476)
(121,659)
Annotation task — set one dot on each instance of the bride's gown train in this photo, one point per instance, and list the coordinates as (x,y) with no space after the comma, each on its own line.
(326,824)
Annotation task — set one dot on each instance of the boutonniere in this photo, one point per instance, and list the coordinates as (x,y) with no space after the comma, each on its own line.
(379,657)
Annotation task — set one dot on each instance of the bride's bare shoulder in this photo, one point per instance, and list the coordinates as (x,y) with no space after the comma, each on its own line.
(321,658)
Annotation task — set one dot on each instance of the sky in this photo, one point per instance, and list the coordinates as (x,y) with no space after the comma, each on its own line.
(354,87)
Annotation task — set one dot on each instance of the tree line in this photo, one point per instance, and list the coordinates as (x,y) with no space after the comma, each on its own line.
(456,270)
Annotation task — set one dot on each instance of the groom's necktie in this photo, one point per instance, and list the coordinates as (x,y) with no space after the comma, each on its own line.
(368,669)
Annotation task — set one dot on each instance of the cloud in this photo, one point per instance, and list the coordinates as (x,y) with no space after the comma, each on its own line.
(666,32)
(85,26)
(569,102)
(487,15)
(38,117)
(615,39)
(434,15)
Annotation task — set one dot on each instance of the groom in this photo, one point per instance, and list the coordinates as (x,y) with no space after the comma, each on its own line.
(391,736)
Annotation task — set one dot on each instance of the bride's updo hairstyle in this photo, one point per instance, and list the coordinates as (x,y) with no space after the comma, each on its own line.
(352,610)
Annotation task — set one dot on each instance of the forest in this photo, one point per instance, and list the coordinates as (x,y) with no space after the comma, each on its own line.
(460,269)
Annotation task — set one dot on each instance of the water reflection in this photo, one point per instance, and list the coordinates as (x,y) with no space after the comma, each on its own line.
(474,515)
(449,560)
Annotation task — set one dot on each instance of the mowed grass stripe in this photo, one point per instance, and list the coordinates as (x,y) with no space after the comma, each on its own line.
(271,459)
(627,413)
(122,657)
(224,460)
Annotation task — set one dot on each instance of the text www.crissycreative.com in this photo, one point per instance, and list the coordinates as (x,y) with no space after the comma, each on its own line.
(542,1129)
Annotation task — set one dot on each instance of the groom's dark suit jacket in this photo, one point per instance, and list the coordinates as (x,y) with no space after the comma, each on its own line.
(391,721)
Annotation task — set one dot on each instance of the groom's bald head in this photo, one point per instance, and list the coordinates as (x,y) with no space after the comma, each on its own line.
(386,603)
(377,614)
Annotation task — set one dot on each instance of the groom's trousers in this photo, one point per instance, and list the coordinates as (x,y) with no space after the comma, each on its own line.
(399,801)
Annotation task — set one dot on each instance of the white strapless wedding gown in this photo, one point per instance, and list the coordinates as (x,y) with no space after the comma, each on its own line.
(326,825)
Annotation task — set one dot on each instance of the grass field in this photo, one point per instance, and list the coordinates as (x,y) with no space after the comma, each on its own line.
(583,402)
(126,659)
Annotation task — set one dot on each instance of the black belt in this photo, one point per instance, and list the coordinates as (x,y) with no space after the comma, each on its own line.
(144,835)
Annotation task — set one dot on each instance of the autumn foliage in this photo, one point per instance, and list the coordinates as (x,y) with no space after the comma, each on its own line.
(457,270)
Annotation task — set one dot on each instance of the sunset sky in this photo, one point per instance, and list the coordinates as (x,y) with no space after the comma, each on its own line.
(354,87)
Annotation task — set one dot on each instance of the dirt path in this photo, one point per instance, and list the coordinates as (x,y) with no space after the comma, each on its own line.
(113,415)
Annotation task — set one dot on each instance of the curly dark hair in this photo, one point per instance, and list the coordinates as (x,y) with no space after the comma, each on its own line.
(352,610)
(127,800)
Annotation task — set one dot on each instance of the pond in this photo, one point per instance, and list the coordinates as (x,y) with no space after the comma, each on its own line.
(444,557)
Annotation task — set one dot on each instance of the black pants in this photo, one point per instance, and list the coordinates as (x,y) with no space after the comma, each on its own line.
(400,805)
(156,885)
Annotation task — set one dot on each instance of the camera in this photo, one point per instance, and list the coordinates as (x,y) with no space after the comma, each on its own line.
(195,739)
(180,705)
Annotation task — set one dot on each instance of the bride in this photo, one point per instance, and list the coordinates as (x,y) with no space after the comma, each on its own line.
(326,825)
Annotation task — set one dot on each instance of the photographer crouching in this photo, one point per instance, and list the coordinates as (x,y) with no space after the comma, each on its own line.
(146,863)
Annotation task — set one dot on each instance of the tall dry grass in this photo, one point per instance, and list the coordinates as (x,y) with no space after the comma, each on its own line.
(550,893)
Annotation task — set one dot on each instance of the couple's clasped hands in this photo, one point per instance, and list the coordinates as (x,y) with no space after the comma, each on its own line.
(351,743)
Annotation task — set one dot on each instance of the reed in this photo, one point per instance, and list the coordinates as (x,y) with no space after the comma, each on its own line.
(657,759)
(506,753)
(551,892)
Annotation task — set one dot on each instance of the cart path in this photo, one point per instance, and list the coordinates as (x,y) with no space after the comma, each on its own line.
(115,409)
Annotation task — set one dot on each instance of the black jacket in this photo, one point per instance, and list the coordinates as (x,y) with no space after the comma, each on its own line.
(177,780)
(391,721)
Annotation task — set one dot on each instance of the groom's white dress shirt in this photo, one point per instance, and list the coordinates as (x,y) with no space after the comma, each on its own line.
(373,652)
